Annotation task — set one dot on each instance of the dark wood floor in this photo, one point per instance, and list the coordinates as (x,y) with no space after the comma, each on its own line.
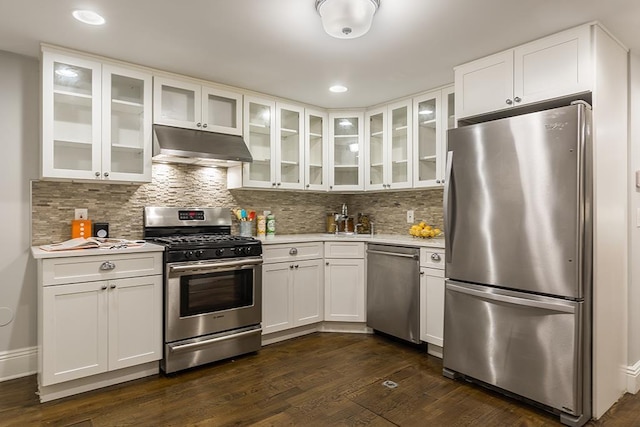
(317,380)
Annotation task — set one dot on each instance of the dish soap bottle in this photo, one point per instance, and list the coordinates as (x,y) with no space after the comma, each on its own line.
(271,225)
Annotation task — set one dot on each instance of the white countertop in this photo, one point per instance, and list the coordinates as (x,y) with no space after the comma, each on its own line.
(392,239)
(147,247)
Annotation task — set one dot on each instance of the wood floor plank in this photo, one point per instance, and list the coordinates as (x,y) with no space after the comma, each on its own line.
(323,379)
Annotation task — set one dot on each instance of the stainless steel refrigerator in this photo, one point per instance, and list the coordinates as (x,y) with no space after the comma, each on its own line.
(518,258)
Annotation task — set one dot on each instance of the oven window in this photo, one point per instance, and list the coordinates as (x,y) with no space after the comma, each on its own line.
(208,293)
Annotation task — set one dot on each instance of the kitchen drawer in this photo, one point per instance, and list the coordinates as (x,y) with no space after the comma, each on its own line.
(432,258)
(291,252)
(58,271)
(344,250)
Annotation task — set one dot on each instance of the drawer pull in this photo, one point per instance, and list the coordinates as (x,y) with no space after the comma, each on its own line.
(107,265)
(293,251)
(435,257)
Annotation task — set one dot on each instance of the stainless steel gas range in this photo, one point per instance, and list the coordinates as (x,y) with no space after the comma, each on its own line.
(212,286)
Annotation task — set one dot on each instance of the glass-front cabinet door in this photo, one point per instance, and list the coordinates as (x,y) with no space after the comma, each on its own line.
(399,144)
(221,111)
(71,122)
(126,130)
(259,134)
(376,152)
(346,130)
(177,103)
(187,104)
(448,117)
(289,149)
(316,150)
(427,142)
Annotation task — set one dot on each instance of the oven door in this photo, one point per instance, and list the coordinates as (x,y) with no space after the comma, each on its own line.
(208,297)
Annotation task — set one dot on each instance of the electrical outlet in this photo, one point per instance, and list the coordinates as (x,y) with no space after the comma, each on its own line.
(410,217)
(82,213)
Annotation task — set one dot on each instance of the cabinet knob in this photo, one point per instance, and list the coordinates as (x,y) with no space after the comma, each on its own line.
(435,257)
(199,124)
(509,102)
(103,287)
(517,99)
(97,174)
(422,273)
(331,187)
(296,266)
(437,181)
(273,184)
(107,265)
(106,174)
(279,184)
(308,185)
(113,286)
(291,267)
(204,125)
(293,251)
(327,263)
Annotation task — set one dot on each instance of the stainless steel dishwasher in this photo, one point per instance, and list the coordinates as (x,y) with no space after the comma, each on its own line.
(393,291)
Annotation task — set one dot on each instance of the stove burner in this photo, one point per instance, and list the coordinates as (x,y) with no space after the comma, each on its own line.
(201,238)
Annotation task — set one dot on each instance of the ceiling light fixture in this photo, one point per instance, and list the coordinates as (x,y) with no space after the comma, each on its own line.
(338,89)
(88,17)
(347,19)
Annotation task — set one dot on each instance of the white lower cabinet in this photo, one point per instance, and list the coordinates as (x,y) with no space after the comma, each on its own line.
(345,282)
(293,290)
(432,296)
(94,327)
(88,327)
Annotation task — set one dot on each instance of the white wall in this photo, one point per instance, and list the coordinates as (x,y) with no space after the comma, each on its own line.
(19,142)
(634,230)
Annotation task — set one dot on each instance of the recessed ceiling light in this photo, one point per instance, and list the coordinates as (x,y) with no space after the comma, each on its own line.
(88,17)
(338,89)
(67,72)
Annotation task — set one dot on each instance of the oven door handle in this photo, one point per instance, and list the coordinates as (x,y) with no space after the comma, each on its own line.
(175,348)
(216,266)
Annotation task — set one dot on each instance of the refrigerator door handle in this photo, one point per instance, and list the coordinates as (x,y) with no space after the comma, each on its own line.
(557,306)
(448,234)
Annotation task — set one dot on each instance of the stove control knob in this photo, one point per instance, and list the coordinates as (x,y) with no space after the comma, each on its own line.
(239,251)
(199,254)
(219,252)
(188,254)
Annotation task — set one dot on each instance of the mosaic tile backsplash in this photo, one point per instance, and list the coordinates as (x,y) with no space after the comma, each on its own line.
(53,203)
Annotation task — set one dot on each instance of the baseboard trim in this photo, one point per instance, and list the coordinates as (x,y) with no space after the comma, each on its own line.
(633,377)
(18,363)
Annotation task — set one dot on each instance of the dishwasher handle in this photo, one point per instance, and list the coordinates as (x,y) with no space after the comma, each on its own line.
(412,256)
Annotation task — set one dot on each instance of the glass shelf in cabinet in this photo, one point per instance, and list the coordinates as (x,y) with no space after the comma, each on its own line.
(72,98)
(127,106)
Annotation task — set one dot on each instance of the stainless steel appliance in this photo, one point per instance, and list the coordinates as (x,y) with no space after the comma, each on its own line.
(212,286)
(518,258)
(393,291)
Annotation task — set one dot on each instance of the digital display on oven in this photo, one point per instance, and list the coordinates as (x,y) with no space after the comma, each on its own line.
(191,215)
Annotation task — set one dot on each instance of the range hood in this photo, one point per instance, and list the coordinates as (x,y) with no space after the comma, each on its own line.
(179,145)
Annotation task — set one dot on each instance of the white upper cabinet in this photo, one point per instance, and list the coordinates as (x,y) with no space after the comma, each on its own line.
(274,133)
(96,120)
(316,150)
(551,67)
(345,151)
(190,105)
(388,133)
(433,113)
(289,146)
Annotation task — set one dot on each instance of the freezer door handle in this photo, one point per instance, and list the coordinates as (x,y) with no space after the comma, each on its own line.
(556,306)
(448,208)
